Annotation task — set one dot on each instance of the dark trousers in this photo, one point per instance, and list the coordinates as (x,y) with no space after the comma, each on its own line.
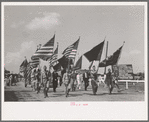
(110,85)
(86,83)
(54,86)
(38,87)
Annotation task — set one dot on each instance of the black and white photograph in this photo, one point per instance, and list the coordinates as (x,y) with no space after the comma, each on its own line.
(74,61)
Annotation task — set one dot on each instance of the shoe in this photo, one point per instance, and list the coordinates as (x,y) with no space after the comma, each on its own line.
(119,90)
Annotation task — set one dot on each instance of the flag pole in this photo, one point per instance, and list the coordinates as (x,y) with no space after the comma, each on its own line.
(57,54)
(90,65)
(100,58)
(106,57)
(75,56)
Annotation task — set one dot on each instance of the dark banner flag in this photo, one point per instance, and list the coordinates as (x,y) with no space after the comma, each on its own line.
(78,64)
(64,62)
(95,53)
(111,60)
(57,67)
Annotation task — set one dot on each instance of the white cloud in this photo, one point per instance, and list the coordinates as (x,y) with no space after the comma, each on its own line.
(16,25)
(48,21)
(11,56)
(124,54)
(135,52)
(27,49)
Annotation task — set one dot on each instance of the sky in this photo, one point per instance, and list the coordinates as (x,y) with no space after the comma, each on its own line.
(27,26)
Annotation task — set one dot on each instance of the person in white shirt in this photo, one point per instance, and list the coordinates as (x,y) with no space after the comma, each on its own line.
(79,80)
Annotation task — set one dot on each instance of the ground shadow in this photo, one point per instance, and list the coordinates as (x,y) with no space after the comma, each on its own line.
(57,95)
(75,95)
(10,96)
(101,94)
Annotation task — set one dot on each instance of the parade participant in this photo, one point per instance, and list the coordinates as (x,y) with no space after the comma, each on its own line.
(45,81)
(15,80)
(38,77)
(49,78)
(109,81)
(115,81)
(66,82)
(10,80)
(93,76)
(85,79)
(60,78)
(33,79)
(72,80)
(79,80)
(55,80)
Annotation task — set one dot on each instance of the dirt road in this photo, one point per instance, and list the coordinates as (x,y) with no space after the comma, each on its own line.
(20,93)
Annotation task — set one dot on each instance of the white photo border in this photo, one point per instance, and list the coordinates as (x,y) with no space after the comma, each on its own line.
(63,111)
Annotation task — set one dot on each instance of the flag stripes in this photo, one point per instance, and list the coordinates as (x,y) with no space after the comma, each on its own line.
(70,51)
(28,70)
(34,61)
(53,58)
(46,50)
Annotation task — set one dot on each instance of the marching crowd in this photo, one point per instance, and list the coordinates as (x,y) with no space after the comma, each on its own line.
(70,79)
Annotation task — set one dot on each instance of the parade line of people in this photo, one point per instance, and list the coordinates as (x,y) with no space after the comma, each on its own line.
(71,80)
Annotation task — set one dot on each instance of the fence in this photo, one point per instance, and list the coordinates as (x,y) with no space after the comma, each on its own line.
(132,81)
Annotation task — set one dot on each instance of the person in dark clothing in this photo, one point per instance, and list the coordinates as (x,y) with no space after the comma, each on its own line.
(109,81)
(72,80)
(60,77)
(55,80)
(38,77)
(49,78)
(85,79)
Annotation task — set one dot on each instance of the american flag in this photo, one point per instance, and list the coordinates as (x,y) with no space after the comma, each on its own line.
(34,61)
(28,71)
(53,58)
(23,65)
(70,51)
(46,50)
